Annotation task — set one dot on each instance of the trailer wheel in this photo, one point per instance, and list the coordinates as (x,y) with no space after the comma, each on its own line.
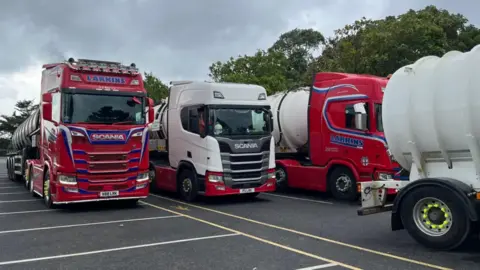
(188,185)
(342,184)
(47,194)
(435,218)
(281,177)
(27,177)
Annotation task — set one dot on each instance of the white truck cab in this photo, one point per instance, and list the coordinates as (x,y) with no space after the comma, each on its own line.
(213,139)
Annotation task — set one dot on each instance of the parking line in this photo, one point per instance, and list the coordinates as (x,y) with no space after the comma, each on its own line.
(297,198)
(26,212)
(309,235)
(11,193)
(11,187)
(87,224)
(116,249)
(14,201)
(321,266)
(254,237)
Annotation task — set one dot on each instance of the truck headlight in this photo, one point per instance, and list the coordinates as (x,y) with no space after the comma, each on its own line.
(214,178)
(142,177)
(384,176)
(67,180)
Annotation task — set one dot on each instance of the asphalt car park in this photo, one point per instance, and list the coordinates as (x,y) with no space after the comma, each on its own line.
(274,231)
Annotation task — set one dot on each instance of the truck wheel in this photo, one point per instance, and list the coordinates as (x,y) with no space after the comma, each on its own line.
(47,194)
(28,176)
(30,185)
(281,177)
(188,186)
(342,184)
(435,218)
(152,175)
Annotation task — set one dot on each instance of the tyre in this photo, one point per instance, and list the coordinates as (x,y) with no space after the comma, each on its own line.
(47,194)
(282,178)
(152,175)
(28,177)
(30,183)
(188,185)
(435,217)
(342,184)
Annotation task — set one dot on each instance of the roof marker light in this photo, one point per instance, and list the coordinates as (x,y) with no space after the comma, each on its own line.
(75,78)
(217,94)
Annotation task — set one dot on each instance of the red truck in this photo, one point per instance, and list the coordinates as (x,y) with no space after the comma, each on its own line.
(329,137)
(88,140)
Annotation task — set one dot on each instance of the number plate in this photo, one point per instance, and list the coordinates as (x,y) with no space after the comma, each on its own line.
(247,190)
(109,193)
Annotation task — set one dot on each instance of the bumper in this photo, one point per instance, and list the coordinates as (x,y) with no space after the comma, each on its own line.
(214,189)
(71,194)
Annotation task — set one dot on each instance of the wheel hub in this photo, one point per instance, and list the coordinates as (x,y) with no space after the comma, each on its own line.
(151,175)
(187,185)
(432,216)
(280,175)
(343,183)
(46,189)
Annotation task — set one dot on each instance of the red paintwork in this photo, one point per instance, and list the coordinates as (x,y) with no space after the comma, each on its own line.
(325,155)
(58,157)
(165,179)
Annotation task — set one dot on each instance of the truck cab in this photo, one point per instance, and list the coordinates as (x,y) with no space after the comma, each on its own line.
(213,139)
(343,143)
(89,138)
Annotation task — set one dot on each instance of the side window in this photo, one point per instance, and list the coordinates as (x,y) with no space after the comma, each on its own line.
(193,120)
(351,110)
(184,118)
(56,107)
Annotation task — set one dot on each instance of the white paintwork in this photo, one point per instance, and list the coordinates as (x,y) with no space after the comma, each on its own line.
(293,119)
(430,117)
(430,107)
(188,93)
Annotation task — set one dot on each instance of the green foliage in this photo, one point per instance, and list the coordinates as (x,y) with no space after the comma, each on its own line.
(156,89)
(23,109)
(377,47)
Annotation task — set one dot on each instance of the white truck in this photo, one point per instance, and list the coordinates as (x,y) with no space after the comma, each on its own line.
(212,139)
(430,116)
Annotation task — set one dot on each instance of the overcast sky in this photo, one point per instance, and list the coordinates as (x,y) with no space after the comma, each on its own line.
(175,39)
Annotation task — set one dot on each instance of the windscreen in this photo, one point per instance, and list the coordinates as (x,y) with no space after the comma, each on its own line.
(102,109)
(232,121)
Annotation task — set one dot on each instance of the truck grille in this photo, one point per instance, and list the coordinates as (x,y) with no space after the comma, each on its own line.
(245,167)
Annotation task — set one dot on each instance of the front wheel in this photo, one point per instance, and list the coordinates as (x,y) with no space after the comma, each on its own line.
(342,184)
(281,178)
(47,194)
(188,186)
(435,218)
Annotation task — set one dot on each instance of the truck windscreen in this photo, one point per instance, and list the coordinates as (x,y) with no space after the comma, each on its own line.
(232,121)
(102,109)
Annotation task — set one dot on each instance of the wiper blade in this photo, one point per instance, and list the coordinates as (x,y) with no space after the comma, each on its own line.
(123,122)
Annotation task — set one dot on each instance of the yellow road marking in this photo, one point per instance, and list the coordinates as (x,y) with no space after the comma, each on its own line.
(310,235)
(254,237)
(182,208)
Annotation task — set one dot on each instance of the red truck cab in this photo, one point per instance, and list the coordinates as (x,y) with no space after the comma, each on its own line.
(346,143)
(92,140)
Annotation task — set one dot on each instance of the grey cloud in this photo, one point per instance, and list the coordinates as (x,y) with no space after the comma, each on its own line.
(171,38)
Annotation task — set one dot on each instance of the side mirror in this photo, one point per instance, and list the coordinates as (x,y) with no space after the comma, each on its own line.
(47,111)
(361,121)
(47,97)
(151,103)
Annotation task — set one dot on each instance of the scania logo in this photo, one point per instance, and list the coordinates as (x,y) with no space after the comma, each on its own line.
(246,145)
(108,137)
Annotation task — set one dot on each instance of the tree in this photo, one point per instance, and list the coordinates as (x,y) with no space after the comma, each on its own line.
(22,110)
(298,46)
(265,68)
(380,47)
(156,89)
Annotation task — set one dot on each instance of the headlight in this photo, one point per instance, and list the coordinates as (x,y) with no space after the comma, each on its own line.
(384,176)
(141,177)
(215,178)
(67,180)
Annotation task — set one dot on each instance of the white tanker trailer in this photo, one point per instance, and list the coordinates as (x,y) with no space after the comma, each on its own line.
(431,112)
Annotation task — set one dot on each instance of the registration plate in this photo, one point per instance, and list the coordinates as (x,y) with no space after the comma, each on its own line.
(247,190)
(109,193)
